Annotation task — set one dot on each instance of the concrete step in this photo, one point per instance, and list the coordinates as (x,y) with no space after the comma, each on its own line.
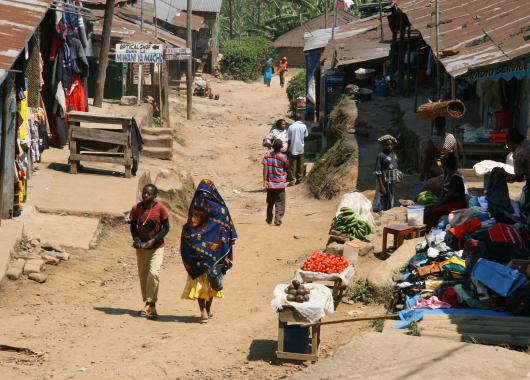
(160,153)
(162,141)
(157,131)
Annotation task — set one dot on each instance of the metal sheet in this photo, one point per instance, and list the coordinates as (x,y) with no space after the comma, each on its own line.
(18,21)
(296,38)
(197,5)
(485,32)
(181,20)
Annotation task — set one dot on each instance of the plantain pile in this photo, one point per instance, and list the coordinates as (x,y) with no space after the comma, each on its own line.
(347,224)
(427,199)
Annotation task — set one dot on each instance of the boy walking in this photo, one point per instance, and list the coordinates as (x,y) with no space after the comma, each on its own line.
(275,180)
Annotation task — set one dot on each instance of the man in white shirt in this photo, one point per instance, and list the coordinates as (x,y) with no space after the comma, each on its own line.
(296,134)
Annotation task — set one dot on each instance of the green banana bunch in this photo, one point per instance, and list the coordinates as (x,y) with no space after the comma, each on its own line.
(427,199)
(347,223)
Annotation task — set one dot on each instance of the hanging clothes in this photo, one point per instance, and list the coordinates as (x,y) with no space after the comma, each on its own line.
(65,72)
(75,99)
(23,114)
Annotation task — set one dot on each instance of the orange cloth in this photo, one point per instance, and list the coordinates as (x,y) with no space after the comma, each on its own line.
(282,66)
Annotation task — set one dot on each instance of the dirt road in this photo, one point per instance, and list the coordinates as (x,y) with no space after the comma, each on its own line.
(84,318)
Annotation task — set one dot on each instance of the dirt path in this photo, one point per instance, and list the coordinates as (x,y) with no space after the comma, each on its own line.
(85,320)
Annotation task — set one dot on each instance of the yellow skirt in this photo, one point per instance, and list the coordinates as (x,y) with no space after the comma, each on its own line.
(200,288)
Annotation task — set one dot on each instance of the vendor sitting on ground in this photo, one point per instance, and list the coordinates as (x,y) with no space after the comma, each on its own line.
(440,144)
(436,184)
(520,148)
(453,196)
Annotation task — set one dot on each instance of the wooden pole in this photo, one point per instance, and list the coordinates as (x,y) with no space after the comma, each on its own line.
(381,19)
(142,15)
(325,14)
(3,140)
(417,77)
(438,48)
(393,316)
(230,15)
(189,78)
(401,56)
(409,63)
(156,21)
(104,53)
(140,78)
(334,24)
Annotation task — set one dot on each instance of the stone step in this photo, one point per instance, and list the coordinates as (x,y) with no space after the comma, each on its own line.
(163,141)
(159,153)
(156,131)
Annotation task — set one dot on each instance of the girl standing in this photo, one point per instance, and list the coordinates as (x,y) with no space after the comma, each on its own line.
(268,69)
(386,170)
(207,239)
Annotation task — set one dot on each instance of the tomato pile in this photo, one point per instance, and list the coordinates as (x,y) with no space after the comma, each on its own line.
(322,262)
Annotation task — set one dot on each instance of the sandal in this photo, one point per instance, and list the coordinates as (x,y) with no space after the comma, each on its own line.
(204,317)
(151,312)
(145,310)
(210,314)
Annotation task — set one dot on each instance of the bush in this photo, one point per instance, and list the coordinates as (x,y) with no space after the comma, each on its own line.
(295,89)
(241,59)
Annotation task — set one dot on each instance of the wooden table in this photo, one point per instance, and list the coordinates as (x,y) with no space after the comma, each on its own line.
(289,314)
(110,145)
(483,147)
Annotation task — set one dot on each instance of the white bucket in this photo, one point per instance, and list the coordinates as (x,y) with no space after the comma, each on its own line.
(415,215)
(351,251)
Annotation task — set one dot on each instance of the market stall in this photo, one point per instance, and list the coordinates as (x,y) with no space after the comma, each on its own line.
(478,147)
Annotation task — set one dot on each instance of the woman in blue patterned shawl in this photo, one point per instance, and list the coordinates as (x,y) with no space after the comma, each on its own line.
(207,239)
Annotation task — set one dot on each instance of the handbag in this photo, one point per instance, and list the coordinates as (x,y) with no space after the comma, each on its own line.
(216,276)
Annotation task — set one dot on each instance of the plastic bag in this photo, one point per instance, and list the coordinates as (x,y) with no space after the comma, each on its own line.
(216,276)
(360,204)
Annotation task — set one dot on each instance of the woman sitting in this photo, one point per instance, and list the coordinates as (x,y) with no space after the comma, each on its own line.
(453,196)
(440,144)
(279,131)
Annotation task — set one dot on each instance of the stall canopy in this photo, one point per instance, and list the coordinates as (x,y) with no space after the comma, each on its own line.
(484,33)
(18,21)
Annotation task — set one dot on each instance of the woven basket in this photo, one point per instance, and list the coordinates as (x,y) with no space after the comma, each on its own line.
(451,108)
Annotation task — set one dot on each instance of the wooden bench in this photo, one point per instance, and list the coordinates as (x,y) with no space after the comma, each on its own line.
(113,146)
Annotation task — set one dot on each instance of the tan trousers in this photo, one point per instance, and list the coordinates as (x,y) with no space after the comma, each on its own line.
(149,263)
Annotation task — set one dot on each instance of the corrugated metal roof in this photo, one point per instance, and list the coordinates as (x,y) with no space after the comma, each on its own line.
(126,32)
(181,20)
(18,20)
(485,32)
(295,37)
(359,41)
(197,5)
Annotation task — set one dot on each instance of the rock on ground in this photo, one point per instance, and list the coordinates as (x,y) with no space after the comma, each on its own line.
(335,248)
(13,273)
(48,246)
(50,260)
(39,277)
(34,266)
(128,100)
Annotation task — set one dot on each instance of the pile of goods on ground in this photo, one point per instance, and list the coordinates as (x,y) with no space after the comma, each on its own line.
(427,199)
(297,292)
(347,223)
(324,263)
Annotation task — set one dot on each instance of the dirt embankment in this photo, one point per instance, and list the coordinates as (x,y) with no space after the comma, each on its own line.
(335,170)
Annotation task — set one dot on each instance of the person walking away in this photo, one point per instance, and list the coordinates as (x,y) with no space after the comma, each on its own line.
(149,224)
(275,181)
(296,134)
(207,239)
(388,174)
(279,131)
(282,70)
(440,143)
(453,196)
(268,69)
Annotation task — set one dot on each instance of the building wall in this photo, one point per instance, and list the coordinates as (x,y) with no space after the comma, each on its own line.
(295,56)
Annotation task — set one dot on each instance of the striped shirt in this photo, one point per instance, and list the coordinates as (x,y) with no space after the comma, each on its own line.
(276,163)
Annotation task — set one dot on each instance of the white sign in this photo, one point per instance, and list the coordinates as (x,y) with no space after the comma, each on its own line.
(173,51)
(141,53)
(177,57)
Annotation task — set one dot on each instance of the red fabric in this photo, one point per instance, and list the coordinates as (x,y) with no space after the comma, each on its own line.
(76,100)
(470,226)
(451,297)
(505,233)
(432,215)
(56,44)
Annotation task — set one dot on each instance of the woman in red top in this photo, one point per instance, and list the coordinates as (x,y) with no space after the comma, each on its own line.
(149,225)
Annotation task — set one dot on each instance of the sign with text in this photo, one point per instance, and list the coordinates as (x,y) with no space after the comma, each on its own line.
(516,68)
(172,54)
(140,53)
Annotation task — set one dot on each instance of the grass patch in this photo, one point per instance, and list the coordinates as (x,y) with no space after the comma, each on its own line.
(378,324)
(413,329)
(157,122)
(363,292)
(214,116)
(180,140)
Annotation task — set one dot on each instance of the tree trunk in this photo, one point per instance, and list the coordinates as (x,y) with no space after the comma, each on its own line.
(104,53)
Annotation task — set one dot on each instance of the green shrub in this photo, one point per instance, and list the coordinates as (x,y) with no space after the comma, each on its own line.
(241,58)
(295,89)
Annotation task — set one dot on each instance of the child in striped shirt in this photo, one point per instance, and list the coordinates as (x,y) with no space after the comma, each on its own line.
(275,180)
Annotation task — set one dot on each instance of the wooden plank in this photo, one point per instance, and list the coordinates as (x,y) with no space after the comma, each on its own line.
(176,81)
(110,160)
(85,117)
(478,338)
(100,135)
(474,317)
(73,152)
(291,355)
(110,154)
